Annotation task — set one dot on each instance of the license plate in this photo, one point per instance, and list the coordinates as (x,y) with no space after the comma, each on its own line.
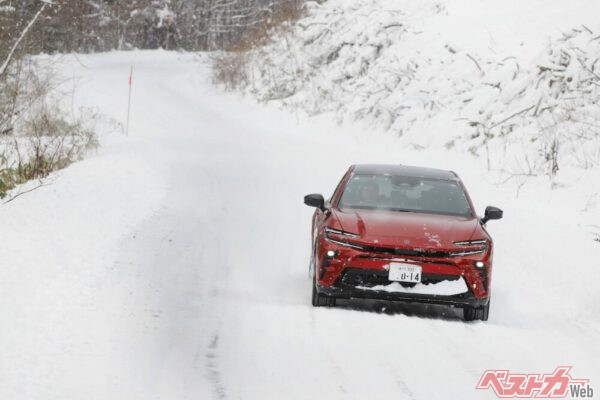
(405,273)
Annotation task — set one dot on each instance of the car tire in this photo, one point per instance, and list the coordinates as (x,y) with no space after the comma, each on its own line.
(486,311)
(477,313)
(319,299)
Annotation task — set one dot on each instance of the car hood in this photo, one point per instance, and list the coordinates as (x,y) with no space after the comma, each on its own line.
(408,229)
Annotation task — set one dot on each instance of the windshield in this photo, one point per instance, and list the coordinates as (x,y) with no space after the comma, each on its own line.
(408,194)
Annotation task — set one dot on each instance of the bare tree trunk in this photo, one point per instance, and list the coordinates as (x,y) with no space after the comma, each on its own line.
(21,37)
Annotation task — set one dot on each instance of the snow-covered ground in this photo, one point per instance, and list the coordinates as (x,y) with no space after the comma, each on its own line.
(173,263)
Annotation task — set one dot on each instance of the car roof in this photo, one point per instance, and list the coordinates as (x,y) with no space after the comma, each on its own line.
(405,170)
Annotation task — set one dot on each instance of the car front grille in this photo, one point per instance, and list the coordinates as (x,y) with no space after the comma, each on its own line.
(368,278)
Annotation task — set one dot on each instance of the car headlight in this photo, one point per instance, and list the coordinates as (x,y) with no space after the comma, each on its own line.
(338,232)
(466,253)
(345,244)
(480,246)
(477,242)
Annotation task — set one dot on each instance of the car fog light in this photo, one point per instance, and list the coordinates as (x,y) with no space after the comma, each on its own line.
(479,264)
(331,253)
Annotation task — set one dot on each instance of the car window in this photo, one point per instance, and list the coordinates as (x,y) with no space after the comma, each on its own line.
(399,193)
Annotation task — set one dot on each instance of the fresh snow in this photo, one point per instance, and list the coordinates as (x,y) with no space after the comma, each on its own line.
(173,263)
(444,288)
(508,81)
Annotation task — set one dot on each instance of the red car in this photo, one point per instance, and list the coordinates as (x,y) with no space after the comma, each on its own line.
(402,233)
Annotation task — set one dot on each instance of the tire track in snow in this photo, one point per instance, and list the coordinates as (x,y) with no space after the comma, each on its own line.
(405,389)
(212,367)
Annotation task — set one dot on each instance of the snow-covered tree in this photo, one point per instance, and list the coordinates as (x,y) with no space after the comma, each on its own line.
(100,25)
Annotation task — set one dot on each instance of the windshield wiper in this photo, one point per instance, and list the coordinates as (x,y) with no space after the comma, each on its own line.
(382,208)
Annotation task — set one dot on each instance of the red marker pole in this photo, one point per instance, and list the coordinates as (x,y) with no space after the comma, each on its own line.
(129,101)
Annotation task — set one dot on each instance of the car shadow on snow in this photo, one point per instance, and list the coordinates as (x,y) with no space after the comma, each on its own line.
(420,310)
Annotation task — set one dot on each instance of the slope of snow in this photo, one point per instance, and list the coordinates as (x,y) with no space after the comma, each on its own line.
(174,263)
(514,82)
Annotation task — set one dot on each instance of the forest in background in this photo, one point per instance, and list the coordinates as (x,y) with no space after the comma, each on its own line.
(101,25)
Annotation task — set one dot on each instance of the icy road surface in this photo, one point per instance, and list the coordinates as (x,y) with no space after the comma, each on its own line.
(173,264)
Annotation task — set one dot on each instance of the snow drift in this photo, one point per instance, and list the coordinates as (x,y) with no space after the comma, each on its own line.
(422,71)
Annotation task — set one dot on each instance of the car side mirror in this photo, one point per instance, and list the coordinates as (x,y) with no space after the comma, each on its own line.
(492,213)
(315,200)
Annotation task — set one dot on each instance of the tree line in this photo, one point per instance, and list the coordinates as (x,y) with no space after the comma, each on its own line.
(102,25)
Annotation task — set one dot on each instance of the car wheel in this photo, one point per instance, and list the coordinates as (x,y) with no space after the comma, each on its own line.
(319,299)
(486,311)
(477,313)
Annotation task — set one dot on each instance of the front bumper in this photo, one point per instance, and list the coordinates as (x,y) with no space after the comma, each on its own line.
(354,273)
(347,291)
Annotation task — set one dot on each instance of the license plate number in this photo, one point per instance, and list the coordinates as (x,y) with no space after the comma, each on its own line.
(405,273)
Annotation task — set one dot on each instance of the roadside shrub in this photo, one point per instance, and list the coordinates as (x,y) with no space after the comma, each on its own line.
(38,136)
(230,67)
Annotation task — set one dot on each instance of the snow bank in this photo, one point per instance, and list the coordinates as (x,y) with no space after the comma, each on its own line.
(448,73)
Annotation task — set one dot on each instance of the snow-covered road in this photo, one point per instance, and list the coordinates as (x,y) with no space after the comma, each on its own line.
(174,263)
